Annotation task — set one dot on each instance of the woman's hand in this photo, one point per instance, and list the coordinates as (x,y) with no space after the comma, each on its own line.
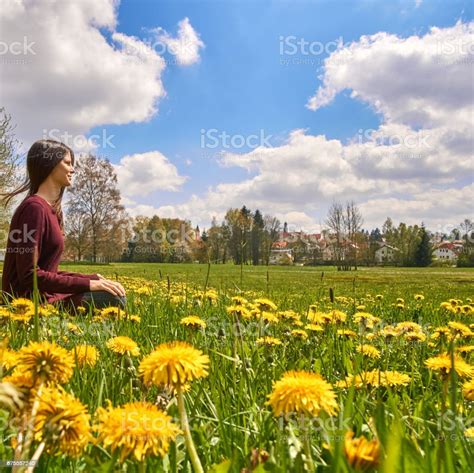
(113,287)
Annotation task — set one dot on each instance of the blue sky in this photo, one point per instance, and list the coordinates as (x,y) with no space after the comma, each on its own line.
(239,84)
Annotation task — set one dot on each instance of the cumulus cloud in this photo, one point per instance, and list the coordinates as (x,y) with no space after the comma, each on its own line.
(143,173)
(420,81)
(186,46)
(69,77)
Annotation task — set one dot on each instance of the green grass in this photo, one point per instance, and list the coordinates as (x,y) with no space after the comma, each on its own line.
(440,283)
(228,412)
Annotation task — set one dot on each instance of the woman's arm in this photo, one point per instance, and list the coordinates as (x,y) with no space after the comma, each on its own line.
(79,275)
(29,243)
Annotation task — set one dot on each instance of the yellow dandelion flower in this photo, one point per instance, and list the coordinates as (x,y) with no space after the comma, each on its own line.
(23,381)
(400,300)
(136,429)
(317,317)
(123,346)
(468,390)
(419,297)
(238,300)
(174,364)
(8,358)
(442,363)
(75,329)
(389,332)
(369,351)
(304,392)
(337,316)
(193,321)
(297,333)
(379,297)
(346,333)
(415,336)
(467,309)
(135,318)
(269,341)
(375,378)
(267,317)
(459,329)
(465,349)
(440,332)
(22,305)
(112,313)
(86,355)
(22,317)
(62,422)
(239,311)
(46,362)
(404,327)
(314,328)
(469,433)
(265,304)
(361,454)
(289,315)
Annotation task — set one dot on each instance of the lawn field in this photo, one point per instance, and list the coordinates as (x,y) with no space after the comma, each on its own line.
(284,369)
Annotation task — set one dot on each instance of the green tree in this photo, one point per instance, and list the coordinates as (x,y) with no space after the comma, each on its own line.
(256,237)
(424,250)
(9,163)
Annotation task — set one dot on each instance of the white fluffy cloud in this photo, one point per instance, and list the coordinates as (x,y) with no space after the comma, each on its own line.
(421,81)
(185,47)
(70,77)
(143,173)
(412,167)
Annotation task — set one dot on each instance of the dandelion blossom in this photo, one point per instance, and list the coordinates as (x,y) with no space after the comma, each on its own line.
(62,422)
(193,321)
(269,341)
(468,390)
(174,364)
(86,355)
(123,346)
(46,362)
(369,351)
(301,391)
(361,454)
(136,429)
(442,363)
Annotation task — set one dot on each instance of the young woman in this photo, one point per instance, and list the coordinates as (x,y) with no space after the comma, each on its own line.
(36,235)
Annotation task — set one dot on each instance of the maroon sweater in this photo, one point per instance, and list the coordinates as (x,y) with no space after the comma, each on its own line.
(35,224)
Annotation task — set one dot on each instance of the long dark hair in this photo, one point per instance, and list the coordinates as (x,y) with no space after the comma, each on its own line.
(42,158)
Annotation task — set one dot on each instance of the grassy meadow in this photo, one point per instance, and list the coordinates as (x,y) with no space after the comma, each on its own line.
(392,348)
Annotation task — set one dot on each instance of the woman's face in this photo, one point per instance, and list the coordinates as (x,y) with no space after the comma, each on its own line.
(62,173)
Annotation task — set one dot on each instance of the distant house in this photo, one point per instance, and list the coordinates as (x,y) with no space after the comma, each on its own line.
(280,253)
(385,254)
(447,251)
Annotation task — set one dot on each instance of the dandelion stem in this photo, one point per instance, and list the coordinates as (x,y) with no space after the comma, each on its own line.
(35,457)
(307,447)
(31,420)
(187,434)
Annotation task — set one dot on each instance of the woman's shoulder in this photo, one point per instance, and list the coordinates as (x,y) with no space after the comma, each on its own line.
(31,203)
